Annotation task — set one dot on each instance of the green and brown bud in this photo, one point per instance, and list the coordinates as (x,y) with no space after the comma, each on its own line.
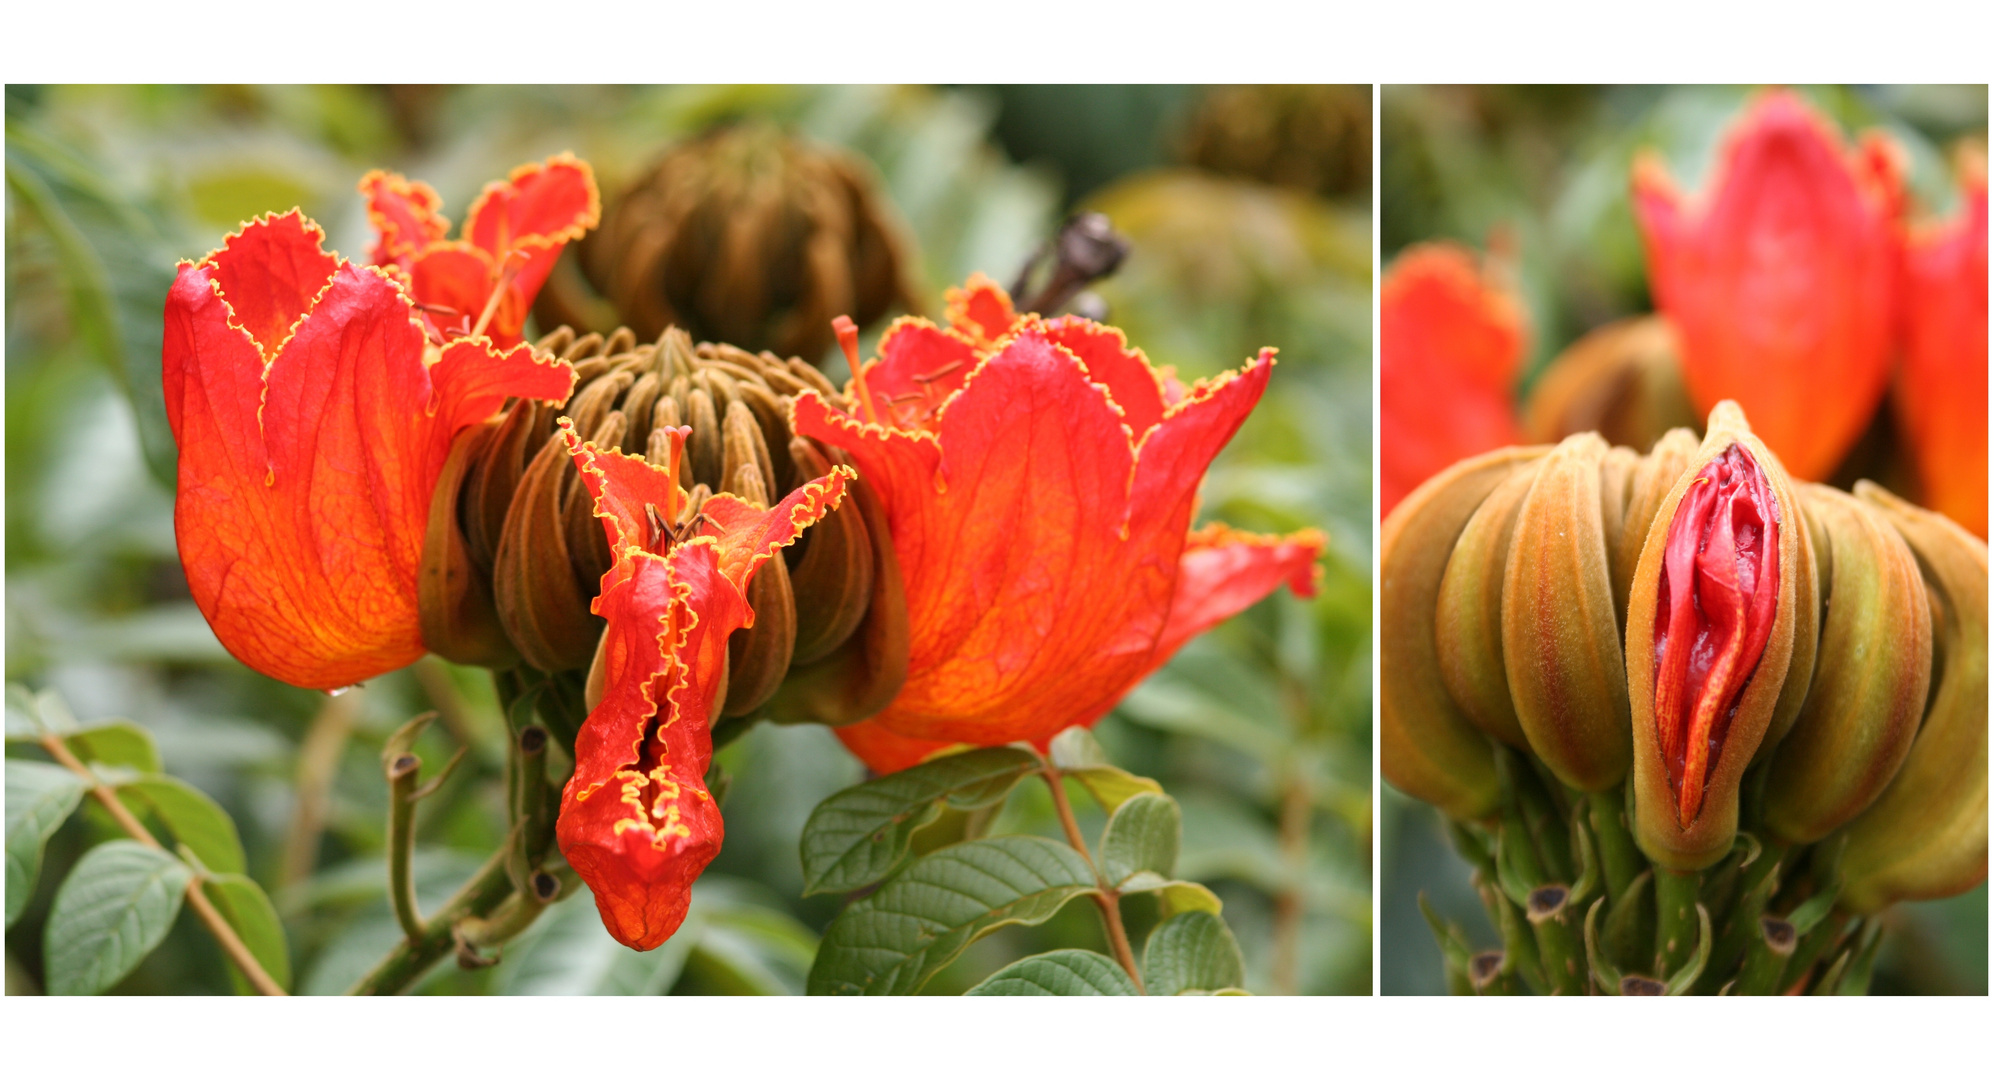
(1562,644)
(1315,138)
(1874,660)
(746,235)
(514,552)
(1928,834)
(1711,632)
(1428,747)
(1621,380)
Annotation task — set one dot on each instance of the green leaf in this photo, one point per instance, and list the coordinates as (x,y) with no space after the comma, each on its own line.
(894,939)
(1191,953)
(1075,749)
(1061,973)
(39,799)
(1174,897)
(1077,753)
(1143,834)
(118,743)
(30,715)
(195,819)
(242,902)
(859,835)
(1112,786)
(113,909)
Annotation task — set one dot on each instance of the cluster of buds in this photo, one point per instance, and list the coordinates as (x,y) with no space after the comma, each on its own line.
(515,551)
(746,235)
(1692,720)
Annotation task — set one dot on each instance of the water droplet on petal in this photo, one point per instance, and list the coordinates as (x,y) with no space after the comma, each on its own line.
(338,690)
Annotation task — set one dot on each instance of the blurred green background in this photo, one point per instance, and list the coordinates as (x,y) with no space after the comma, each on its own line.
(1544,172)
(1262,728)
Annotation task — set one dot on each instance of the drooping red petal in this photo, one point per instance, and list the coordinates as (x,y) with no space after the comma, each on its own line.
(981,311)
(304,483)
(1132,382)
(1450,349)
(1941,395)
(1780,282)
(637,822)
(270,274)
(405,217)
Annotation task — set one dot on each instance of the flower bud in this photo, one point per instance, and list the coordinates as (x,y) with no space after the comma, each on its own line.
(1563,651)
(1874,658)
(1928,834)
(1428,748)
(745,235)
(515,551)
(1711,629)
(1621,380)
(1649,483)
(1469,628)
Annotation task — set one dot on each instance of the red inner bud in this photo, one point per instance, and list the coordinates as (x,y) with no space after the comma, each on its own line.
(1715,609)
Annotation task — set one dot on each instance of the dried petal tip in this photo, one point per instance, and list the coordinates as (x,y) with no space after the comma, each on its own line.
(1716,605)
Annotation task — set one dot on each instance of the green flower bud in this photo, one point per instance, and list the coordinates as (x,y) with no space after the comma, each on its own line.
(1874,659)
(1563,649)
(1428,748)
(1928,834)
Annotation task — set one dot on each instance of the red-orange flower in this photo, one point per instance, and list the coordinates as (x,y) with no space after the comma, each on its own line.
(484,281)
(637,822)
(1039,480)
(1780,281)
(1450,348)
(1942,391)
(313,419)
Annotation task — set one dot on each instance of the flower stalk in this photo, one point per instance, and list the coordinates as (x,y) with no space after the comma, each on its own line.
(1106,897)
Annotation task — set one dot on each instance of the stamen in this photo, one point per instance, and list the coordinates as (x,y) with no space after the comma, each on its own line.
(849,340)
(504,281)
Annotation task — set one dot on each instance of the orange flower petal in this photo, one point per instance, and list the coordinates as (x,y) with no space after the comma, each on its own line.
(1132,383)
(304,481)
(1040,544)
(981,311)
(405,217)
(1780,281)
(1942,392)
(1224,571)
(637,821)
(1450,349)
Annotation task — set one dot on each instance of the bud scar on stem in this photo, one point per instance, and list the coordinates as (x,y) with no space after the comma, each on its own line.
(1716,607)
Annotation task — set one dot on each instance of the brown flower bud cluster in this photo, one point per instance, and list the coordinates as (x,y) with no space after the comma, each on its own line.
(1691,634)
(514,551)
(745,235)
(1315,138)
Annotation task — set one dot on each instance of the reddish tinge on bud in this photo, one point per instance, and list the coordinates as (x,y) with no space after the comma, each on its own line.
(1716,605)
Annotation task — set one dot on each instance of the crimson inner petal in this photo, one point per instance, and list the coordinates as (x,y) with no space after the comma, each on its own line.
(1715,610)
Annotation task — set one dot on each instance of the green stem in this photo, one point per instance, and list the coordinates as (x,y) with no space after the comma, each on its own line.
(1762,973)
(1106,897)
(1677,919)
(402,772)
(412,957)
(1758,883)
(1621,862)
(1557,928)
